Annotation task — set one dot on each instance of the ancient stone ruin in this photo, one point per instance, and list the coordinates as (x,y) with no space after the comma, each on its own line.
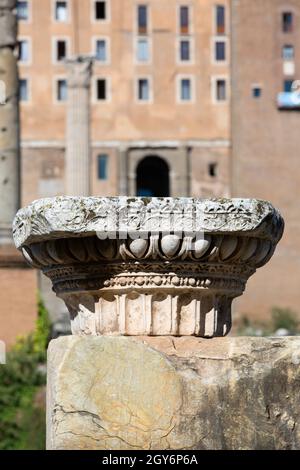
(131,266)
(163,272)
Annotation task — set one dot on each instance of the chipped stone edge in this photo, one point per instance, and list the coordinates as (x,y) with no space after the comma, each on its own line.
(69,217)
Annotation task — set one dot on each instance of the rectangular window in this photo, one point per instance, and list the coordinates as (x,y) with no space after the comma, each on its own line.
(287,22)
(23,50)
(184,19)
(143,89)
(101,89)
(220,19)
(185,50)
(143,52)
(102,166)
(100,10)
(220,51)
(212,169)
(220,89)
(142,19)
(22,11)
(287,85)
(185,89)
(61,50)
(288,52)
(256,92)
(23,89)
(101,50)
(61,11)
(61,90)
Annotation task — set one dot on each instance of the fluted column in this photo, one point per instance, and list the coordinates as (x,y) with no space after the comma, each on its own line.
(77,172)
(123,171)
(9,121)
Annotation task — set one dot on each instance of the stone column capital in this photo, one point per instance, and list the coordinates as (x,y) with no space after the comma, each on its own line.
(79,71)
(148,266)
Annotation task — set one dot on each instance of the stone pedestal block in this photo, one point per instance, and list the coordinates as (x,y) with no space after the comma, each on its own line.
(173,393)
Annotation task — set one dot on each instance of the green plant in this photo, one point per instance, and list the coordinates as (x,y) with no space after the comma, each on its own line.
(285,318)
(22,380)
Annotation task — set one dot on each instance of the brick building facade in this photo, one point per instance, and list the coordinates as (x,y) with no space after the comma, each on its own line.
(182,89)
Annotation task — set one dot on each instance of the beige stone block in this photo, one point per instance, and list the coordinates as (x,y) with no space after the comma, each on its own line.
(173,393)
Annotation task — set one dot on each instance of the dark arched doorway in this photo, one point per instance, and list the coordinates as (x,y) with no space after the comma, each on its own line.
(152,177)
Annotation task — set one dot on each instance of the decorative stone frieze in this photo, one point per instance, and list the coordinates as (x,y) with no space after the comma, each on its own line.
(148,266)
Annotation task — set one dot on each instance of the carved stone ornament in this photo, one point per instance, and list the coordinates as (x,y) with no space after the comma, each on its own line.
(148,266)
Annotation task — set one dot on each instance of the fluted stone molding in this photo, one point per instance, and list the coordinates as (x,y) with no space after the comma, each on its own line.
(9,121)
(148,266)
(79,71)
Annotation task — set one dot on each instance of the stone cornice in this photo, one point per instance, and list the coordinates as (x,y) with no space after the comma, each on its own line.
(71,217)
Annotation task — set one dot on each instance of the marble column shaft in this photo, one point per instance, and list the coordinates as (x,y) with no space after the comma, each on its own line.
(78,127)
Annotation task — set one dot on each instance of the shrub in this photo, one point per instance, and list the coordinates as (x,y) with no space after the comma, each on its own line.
(285,318)
(22,379)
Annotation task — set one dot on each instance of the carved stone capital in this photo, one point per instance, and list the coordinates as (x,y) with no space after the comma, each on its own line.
(148,266)
(79,70)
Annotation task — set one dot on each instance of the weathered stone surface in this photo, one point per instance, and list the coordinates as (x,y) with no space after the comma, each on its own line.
(157,266)
(173,393)
(8,23)
(69,217)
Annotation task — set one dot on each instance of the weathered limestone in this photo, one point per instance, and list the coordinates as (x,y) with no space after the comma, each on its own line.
(160,268)
(156,266)
(79,71)
(173,393)
(9,121)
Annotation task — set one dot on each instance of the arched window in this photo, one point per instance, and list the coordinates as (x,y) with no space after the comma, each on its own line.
(152,177)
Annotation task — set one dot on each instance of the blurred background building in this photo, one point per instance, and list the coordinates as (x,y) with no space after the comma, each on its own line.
(188,98)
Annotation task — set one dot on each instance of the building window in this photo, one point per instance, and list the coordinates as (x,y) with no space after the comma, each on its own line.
(101,50)
(143,50)
(101,89)
(287,86)
(142,14)
(220,51)
(61,89)
(256,91)
(220,19)
(212,169)
(102,164)
(24,50)
(143,91)
(287,22)
(185,50)
(220,89)
(185,89)
(100,10)
(23,89)
(22,11)
(184,20)
(60,50)
(288,52)
(61,11)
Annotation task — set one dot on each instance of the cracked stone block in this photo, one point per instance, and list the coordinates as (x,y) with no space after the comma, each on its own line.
(173,393)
